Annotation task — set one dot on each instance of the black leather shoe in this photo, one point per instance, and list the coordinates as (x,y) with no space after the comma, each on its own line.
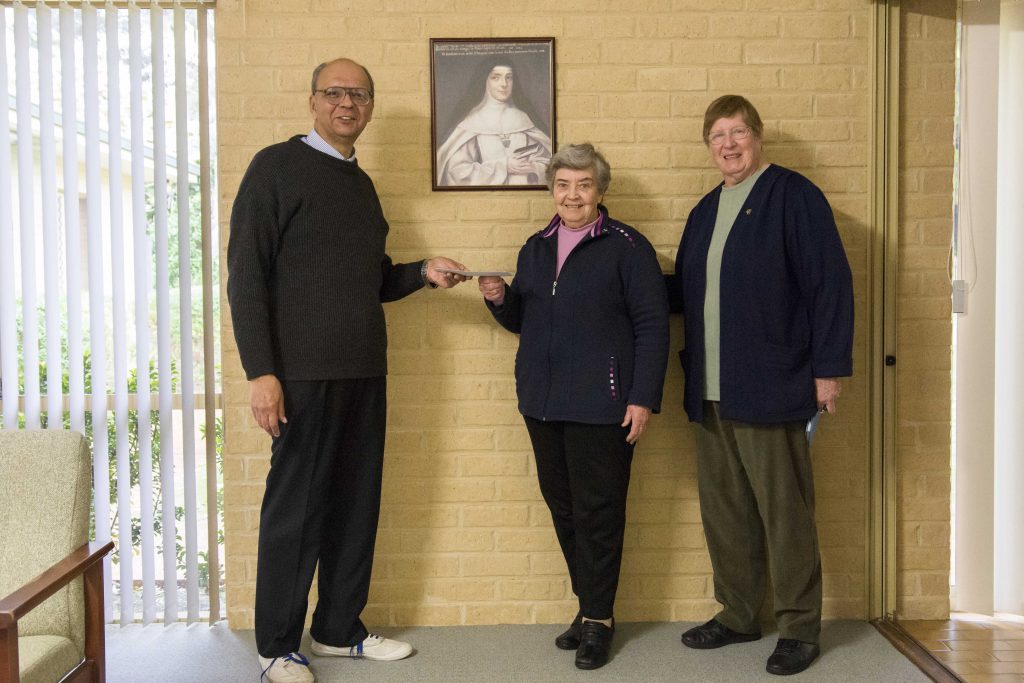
(595,645)
(715,634)
(791,657)
(570,638)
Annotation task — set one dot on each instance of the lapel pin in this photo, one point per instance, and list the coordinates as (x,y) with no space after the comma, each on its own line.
(749,211)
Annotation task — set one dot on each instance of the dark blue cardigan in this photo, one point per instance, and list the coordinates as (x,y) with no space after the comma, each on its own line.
(595,340)
(786,301)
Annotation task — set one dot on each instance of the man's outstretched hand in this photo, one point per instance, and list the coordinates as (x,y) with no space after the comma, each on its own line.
(444,280)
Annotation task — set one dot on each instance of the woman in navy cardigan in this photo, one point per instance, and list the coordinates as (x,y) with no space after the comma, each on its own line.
(589,304)
(766,294)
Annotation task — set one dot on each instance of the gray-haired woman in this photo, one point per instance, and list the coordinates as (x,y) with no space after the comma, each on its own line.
(590,306)
(766,294)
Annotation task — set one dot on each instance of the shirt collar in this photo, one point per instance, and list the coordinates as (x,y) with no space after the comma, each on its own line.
(315,141)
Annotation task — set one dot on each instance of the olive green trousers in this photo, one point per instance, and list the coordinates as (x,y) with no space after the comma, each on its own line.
(757,505)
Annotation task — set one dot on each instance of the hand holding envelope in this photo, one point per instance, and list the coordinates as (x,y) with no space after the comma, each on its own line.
(443,272)
(493,288)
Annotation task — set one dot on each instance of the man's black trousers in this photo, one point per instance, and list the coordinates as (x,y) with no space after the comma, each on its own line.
(321,504)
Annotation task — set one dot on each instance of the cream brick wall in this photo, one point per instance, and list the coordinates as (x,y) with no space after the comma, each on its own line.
(465,537)
(925,331)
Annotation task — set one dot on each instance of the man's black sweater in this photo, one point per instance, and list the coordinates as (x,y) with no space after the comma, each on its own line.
(307,270)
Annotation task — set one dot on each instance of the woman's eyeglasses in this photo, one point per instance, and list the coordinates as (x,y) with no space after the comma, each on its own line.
(738,133)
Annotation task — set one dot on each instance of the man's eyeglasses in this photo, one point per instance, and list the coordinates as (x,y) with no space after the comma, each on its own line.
(738,133)
(336,94)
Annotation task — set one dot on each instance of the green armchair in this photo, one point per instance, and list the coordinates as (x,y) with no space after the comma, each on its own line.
(51,576)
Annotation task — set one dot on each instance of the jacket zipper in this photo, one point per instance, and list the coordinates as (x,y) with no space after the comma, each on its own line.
(554,286)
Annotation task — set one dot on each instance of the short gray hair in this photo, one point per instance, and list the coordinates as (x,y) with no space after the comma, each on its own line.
(581,157)
(322,66)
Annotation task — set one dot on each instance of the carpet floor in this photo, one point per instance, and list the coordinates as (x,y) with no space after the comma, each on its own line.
(851,651)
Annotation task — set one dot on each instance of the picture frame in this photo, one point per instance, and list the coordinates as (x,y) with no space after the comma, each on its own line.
(492,112)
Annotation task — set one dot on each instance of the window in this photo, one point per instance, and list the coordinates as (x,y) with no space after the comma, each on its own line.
(108,280)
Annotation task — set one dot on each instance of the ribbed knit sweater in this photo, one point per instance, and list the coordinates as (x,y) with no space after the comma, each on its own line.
(307,268)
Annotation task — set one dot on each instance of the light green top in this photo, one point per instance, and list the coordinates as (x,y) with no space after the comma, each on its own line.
(730,201)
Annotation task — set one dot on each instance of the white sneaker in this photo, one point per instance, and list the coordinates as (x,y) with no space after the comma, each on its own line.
(374,647)
(291,668)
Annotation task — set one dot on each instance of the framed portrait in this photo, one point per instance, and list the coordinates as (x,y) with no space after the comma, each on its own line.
(492,112)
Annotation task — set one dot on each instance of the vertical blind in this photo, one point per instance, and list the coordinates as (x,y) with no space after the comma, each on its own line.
(108,313)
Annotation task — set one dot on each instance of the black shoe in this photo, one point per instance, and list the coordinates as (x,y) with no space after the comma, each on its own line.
(791,657)
(715,634)
(570,638)
(595,644)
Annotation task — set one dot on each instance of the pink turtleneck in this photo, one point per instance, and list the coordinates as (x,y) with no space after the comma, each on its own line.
(568,238)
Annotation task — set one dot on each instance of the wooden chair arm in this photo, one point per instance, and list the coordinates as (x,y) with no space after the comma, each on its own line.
(20,602)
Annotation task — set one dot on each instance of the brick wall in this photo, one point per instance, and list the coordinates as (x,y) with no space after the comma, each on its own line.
(928,35)
(464,535)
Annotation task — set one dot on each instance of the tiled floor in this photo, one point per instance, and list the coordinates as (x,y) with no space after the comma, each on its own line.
(978,648)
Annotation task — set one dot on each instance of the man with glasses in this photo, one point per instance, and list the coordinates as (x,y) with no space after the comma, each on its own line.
(307,273)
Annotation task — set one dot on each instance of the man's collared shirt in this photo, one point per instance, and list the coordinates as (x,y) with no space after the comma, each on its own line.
(318,143)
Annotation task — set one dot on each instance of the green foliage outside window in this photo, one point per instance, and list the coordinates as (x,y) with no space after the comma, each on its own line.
(134,454)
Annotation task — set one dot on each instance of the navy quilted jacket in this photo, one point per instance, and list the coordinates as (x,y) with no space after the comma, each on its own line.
(596,339)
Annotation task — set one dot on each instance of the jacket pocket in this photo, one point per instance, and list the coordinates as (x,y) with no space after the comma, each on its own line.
(781,356)
(787,384)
